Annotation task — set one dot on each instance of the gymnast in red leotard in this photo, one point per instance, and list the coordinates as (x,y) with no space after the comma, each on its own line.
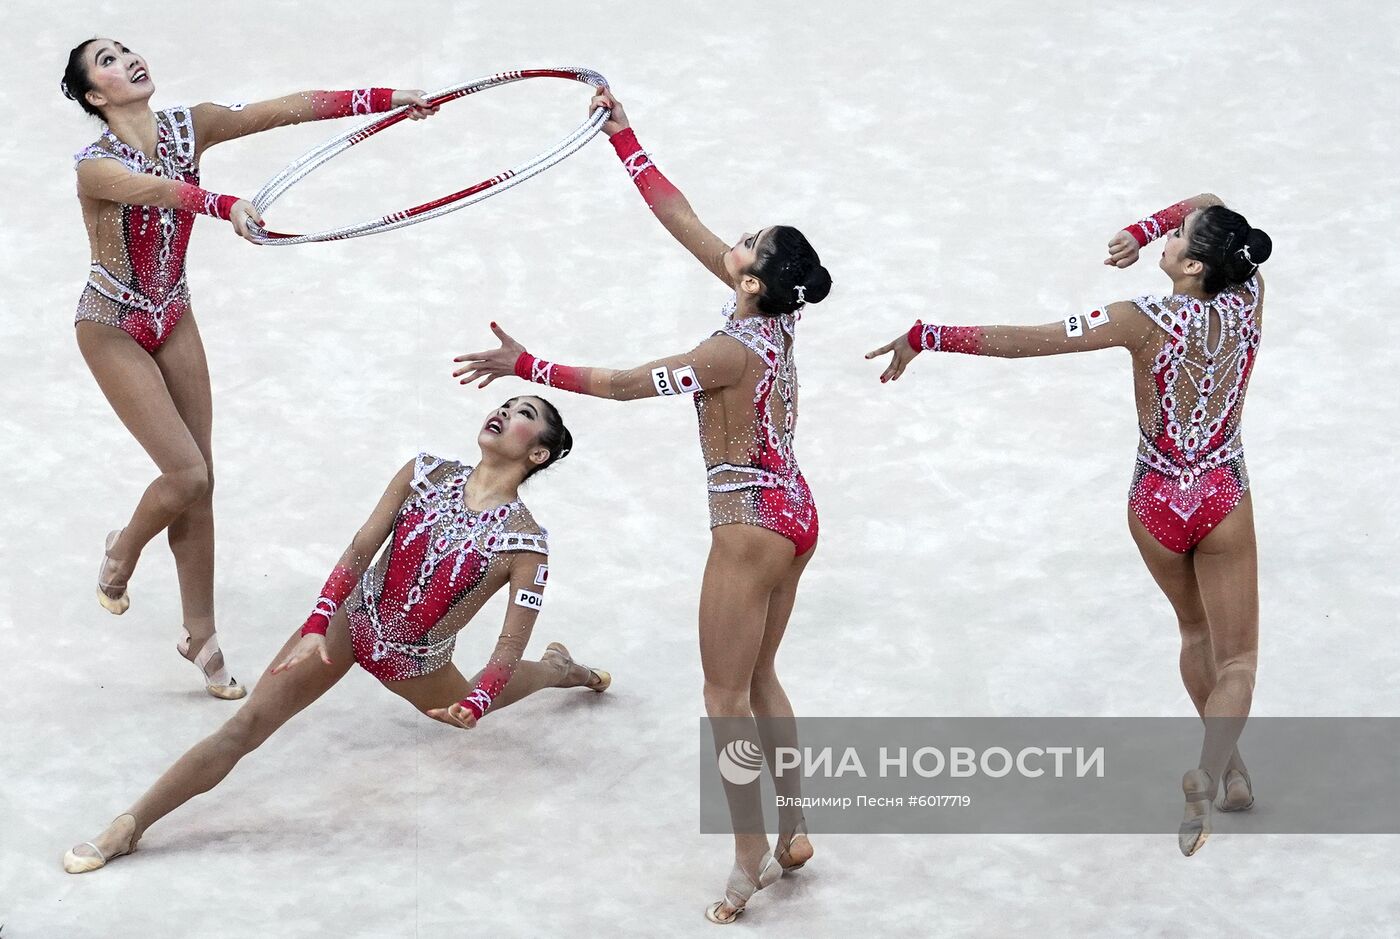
(762,518)
(1190,512)
(138,186)
(456,535)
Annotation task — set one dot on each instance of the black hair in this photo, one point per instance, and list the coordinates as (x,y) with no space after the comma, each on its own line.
(76,84)
(1231,251)
(555,437)
(791,272)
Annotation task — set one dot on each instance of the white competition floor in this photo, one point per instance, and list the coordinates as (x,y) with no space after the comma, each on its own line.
(965,163)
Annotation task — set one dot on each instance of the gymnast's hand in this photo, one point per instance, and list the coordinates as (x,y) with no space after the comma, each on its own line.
(242,212)
(1122,250)
(618,119)
(491,365)
(457,715)
(414,97)
(903,355)
(310,646)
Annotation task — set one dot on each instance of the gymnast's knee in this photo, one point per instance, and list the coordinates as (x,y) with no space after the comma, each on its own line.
(245,732)
(726,700)
(189,484)
(1237,670)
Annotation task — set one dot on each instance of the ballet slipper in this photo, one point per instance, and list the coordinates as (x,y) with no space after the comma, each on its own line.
(75,863)
(220,684)
(741,887)
(601,679)
(1195,825)
(1225,804)
(116,604)
(795,853)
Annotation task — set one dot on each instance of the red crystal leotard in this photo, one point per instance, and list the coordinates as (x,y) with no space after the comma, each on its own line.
(767,489)
(1191,471)
(443,561)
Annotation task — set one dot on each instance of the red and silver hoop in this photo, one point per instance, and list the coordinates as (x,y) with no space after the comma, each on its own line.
(317,157)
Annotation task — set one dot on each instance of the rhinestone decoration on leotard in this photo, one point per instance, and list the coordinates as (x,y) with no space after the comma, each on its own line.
(152,296)
(1200,390)
(440,551)
(782,501)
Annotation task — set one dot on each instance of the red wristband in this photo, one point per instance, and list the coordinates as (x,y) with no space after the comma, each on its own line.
(563,377)
(1158,224)
(337,588)
(493,680)
(204,202)
(935,338)
(649,180)
(328,104)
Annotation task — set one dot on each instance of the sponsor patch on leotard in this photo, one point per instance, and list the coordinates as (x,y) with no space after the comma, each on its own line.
(542,574)
(1096,318)
(661,378)
(686,380)
(1074,325)
(232,107)
(531,601)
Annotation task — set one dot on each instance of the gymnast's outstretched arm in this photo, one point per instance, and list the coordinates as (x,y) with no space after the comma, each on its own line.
(716,363)
(354,561)
(215,123)
(1116,325)
(522,609)
(666,202)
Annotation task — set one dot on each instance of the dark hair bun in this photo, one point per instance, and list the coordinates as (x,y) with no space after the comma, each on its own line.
(791,272)
(1231,251)
(1260,245)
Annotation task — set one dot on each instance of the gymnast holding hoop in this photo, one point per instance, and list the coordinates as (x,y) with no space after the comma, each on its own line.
(762,517)
(138,186)
(456,535)
(1189,508)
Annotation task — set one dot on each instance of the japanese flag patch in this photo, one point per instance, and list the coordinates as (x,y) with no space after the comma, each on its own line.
(542,575)
(686,381)
(1096,318)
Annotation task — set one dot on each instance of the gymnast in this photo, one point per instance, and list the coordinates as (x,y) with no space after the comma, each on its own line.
(763,520)
(1189,506)
(138,186)
(456,536)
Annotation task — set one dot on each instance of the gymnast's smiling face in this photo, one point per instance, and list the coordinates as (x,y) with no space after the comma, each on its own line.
(118,75)
(512,431)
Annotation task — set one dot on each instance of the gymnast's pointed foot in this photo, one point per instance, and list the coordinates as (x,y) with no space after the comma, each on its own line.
(575,675)
(112,575)
(210,662)
(740,889)
(795,849)
(119,838)
(1239,792)
(1199,790)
